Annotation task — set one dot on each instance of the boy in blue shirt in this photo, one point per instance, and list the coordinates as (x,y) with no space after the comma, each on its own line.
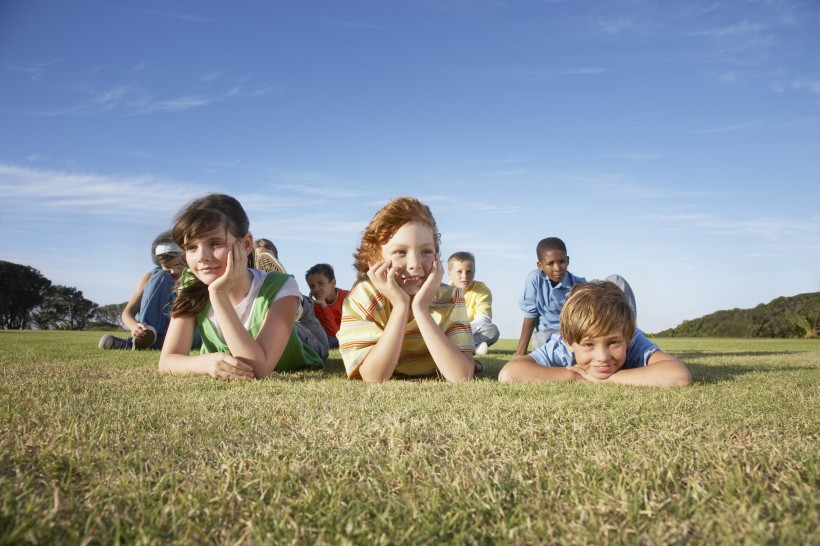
(598,342)
(545,290)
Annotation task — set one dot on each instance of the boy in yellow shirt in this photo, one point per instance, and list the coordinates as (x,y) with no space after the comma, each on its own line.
(478,299)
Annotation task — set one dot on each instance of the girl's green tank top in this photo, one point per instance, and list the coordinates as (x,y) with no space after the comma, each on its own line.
(297,355)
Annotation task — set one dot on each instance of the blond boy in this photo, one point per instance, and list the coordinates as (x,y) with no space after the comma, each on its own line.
(598,342)
(478,299)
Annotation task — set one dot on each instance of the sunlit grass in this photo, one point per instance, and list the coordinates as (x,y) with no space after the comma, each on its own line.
(97,446)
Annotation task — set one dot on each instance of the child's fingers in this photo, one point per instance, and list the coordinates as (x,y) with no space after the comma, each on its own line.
(228,367)
(240,365)
(378,272)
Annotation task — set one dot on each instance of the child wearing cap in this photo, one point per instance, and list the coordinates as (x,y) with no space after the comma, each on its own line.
(147,313)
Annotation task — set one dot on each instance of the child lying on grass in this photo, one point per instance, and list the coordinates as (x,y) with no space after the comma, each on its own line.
(399,321)
(598,342)
(246,317)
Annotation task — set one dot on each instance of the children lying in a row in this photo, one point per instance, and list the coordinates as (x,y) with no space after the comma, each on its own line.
(398,321)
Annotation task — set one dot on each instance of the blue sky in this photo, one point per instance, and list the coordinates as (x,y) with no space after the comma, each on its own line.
(675,143)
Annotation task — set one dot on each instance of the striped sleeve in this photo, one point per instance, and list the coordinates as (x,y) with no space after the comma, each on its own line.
(364,317)
(450,312)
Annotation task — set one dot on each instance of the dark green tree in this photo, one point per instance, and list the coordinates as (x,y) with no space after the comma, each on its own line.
(22,289)
(65,308)
(109,317)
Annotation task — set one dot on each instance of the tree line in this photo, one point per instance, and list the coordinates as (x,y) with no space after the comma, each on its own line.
(30,300)
(793,316)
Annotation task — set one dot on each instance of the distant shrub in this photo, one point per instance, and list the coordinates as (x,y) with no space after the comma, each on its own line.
(783,317)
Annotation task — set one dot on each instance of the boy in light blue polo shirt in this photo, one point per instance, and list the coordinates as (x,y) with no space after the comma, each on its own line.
(598,342)
(545,290)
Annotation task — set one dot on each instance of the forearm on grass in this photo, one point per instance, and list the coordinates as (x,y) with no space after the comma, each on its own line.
(525,369)
(263,352)
(662,370)
(175,357)
(450,361)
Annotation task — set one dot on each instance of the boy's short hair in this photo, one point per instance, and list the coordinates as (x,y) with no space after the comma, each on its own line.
(462,256)
(323,269)
(596,308)
(548,244)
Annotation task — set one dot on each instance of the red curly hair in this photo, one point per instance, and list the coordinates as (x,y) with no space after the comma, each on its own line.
(385,224)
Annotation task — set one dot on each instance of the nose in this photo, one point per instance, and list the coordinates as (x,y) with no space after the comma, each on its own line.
(413,263)
(601,354)
(202,254)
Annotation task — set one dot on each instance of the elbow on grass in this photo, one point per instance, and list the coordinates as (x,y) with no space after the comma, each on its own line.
(682,378)
(506,375)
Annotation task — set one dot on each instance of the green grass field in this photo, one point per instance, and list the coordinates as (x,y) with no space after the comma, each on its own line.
(97,447)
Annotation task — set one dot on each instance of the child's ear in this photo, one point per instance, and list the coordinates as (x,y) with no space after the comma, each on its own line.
(333,283)
(247,242)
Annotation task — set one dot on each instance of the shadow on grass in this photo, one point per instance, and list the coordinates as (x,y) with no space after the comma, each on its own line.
(701,373)
(705,354)
(707,374)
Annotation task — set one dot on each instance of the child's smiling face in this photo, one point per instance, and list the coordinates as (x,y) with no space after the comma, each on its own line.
(411,251)
(207,256)
(600,356)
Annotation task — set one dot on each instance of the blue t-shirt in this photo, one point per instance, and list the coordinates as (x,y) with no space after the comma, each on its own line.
(543,301)
(555,353)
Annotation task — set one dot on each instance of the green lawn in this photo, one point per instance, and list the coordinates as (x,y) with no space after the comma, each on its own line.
(97,447)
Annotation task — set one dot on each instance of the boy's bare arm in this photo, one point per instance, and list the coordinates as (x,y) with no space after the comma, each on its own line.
(662,370)
(527,328)
(525,369)
(129,313)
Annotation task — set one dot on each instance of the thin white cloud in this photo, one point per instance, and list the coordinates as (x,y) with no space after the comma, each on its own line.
(636,156)
(770,228)
(318,186)
(803,85)
(738,31)
(616,26)
(140,67)
(732,127)
(585,71)
(49,192)
(34,70)
(619,185)
(176,15)
(177,104)
(467,205)
(528,74)
(350,24)
(505,174)
(211,76)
